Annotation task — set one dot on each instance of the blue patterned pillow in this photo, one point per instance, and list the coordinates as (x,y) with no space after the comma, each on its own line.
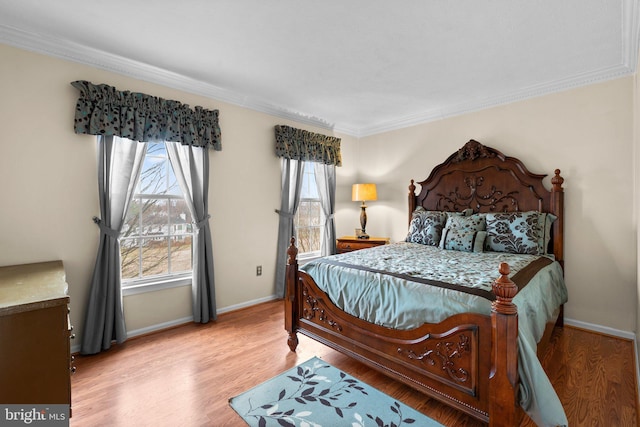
(456,239)
(513,232)
(460,225)
(545,220)
(426,227)
(474,222)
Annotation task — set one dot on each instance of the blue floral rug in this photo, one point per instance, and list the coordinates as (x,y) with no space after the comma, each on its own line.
(315,394)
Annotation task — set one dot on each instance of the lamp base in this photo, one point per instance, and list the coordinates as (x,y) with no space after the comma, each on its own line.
(360,234)
(363,223)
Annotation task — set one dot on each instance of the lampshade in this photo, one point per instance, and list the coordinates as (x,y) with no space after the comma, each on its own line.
(363,192)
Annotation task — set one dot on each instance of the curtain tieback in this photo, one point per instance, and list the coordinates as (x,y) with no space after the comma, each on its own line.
(330,216)
(202,223)
(106,230)
(285,214)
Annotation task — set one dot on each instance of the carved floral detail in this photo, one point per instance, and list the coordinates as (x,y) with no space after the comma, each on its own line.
(446,352)
(472,150)
(495,200)
(311,310)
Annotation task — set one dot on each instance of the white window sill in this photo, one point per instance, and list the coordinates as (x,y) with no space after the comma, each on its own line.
(156,284)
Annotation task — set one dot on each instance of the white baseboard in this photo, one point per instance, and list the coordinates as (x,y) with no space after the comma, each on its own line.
(571,322)
(159,327)
(153,328)
(165,325)
(601,329)
(172,323)
(616,333)
(246,304)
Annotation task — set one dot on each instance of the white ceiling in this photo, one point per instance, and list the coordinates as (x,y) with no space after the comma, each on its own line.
(356,66)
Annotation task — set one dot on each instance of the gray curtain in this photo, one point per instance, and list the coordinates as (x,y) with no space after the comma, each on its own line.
(296,146)
(110,113)
(119,165)
(326,181)
(191,167)
(291,186)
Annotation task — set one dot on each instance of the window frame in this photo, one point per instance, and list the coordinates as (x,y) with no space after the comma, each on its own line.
(155,282)
(306,256)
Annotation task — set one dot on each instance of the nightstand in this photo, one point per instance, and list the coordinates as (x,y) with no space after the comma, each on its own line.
(352,243)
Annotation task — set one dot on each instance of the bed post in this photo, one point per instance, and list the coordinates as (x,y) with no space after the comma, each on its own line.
(412,199)
(290,303)
(557,208)
(503,379)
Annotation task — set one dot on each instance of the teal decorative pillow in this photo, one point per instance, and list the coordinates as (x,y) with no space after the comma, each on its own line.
(464,212)
(426,227)
(456,239)
(459,227)
(474,222)
(545,220)
(513,232)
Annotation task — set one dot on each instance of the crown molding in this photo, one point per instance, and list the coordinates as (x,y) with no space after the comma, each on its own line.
(85,55)
(630,33)
(630,42)
(575,81)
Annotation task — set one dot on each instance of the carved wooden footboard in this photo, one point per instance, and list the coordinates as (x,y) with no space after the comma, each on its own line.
(448,361)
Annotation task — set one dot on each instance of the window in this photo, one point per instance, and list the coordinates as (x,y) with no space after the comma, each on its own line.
(155,243)
(309,217)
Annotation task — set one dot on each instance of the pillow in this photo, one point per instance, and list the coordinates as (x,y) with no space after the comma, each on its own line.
(545,220)
(513,232)
(426,227)
(464,212)
(456,239)
(474,222)
(462,225)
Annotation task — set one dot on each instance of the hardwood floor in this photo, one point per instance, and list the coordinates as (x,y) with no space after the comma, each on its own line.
(184,376)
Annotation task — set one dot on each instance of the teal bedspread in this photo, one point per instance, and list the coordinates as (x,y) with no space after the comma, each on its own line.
(372,284)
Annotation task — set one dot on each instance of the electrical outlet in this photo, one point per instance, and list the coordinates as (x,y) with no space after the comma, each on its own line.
(259,270)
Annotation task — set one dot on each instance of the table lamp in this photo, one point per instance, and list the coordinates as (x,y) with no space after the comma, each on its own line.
(363,193)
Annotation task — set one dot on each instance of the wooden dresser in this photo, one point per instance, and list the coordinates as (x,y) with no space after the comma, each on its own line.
(35,360)
(352,243)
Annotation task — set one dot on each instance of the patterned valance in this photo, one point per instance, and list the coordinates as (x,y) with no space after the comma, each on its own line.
(104,110)
(298,144)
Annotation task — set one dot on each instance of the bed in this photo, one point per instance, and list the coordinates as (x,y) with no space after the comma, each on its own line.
(477,354)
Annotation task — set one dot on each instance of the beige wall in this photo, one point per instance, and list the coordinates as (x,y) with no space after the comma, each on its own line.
(587,133)
(49,188)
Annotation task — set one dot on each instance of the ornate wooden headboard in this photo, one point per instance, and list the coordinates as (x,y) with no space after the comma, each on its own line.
(485,180)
